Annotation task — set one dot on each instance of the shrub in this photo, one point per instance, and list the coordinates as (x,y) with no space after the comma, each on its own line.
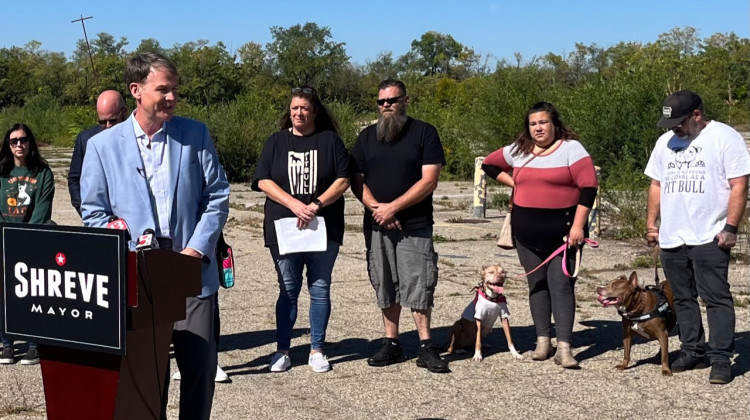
(624,212)
(498,201)
(239,129)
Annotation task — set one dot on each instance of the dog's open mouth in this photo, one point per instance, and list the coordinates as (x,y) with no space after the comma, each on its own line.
(608,301)
(496,288)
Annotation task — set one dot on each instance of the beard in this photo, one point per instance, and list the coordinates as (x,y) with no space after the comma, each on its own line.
(390,124)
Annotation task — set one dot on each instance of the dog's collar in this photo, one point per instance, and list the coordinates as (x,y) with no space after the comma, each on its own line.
(662,307)
(497,299)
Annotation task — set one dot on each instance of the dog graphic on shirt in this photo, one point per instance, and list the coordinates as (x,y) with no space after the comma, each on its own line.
(686,157)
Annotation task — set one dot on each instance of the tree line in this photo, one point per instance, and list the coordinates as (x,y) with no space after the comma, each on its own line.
(611,96)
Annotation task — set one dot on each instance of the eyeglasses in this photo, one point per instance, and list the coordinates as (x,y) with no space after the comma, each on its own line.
(390,101)
(305,90)
(16,141)
(113,121)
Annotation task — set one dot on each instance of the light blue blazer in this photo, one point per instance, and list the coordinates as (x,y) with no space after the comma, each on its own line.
(112,185)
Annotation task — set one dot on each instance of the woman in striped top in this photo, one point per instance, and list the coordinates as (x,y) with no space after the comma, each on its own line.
(554,186)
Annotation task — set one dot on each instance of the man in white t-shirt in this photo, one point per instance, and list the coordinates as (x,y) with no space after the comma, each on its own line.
(699,184)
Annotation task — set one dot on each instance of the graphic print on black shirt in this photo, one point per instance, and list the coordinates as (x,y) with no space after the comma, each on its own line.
(304,167)
(18,196)
(303,172)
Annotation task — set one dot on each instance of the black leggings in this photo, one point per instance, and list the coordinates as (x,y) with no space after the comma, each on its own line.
(551,293)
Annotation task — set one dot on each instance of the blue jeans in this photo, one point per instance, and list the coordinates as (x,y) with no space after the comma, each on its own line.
(702,270)
(9,343)
(289,269)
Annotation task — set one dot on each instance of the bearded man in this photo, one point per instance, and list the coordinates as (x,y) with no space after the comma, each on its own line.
(397,163)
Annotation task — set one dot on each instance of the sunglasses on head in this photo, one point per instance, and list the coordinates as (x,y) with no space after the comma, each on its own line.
(305,90)
(16,141)
(390,101)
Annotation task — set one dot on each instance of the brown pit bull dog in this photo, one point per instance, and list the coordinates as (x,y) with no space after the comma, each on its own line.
(648,312)
(479,317)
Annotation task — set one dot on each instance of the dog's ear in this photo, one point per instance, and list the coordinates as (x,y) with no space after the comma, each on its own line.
(484,268)
(634,279)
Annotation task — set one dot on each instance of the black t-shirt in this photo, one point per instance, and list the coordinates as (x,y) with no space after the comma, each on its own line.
(305,167)
(391,168)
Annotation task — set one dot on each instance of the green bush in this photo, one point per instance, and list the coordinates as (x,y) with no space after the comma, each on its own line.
(51,123)
(240,128)
(350,122)
(498,201)
(624,212)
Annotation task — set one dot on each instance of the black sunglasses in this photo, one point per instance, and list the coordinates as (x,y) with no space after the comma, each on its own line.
(14,142)
(305,90)
(390,101)
(113,121)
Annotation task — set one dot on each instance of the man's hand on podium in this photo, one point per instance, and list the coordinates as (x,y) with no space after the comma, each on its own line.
(191,253)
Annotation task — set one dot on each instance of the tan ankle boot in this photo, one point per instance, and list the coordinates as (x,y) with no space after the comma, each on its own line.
(564,357)
(543,350)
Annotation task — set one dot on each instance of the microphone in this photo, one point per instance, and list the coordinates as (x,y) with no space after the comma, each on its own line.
(116,223)
(147,240)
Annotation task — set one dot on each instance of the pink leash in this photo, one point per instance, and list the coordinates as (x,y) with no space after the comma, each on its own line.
(564,249)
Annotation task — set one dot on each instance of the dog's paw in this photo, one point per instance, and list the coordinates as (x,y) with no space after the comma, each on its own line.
(666,372)
(621,366)
(516,355)
(477,356)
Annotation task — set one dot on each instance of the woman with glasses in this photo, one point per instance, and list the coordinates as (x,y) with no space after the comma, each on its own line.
(304,171)
(554,186)
(26,191)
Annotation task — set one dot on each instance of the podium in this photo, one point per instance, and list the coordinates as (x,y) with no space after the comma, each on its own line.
(106,354)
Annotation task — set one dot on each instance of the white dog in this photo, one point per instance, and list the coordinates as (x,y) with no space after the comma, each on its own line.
(479,317)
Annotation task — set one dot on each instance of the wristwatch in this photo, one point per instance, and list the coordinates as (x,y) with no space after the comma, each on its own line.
(317,202)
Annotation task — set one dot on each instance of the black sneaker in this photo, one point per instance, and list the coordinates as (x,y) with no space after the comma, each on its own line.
(721,373)
(6,357)
(388,354)
(430,359)
(686,361)
(31,357)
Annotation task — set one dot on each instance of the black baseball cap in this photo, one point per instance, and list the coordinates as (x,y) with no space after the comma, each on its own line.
(677,107)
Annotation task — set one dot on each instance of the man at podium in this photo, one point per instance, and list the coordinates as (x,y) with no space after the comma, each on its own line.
(160,172)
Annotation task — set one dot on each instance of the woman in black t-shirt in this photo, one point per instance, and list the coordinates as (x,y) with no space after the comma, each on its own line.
(303,170)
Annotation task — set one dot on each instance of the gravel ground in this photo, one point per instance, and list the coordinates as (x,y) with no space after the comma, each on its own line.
(353,390)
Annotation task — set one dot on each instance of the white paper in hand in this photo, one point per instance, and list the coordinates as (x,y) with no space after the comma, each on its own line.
(291,239)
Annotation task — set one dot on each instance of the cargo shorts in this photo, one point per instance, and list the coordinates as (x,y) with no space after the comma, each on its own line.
(402,265)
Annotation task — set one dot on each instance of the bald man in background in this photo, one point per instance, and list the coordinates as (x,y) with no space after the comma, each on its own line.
(110,110)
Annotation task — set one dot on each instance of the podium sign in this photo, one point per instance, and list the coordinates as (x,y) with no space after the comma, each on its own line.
(64,286)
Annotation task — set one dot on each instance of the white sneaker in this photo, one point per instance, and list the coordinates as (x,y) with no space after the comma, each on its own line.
(319,362)
(280,362)
(221,376)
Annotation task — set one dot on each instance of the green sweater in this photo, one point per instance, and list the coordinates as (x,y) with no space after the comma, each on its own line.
(26,198)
